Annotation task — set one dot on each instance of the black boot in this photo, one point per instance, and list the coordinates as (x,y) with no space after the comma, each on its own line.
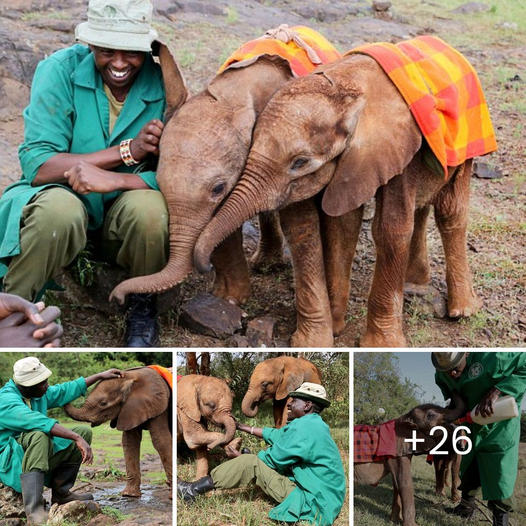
(466,508)
(188,491)
(142,328)
(63,479)
(500,517)
(32,488)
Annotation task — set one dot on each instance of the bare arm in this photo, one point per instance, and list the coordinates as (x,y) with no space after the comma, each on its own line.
(256,431)
(105,375)
(59,431)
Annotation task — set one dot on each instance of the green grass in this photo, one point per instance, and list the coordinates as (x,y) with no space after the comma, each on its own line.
(372,505)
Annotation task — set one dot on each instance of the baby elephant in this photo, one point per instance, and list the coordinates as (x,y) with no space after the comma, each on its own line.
(372,464)
(202,399)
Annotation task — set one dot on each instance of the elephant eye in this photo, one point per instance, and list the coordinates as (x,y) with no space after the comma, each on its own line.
(218,189)
(211,405)
(103,403)
(298,163)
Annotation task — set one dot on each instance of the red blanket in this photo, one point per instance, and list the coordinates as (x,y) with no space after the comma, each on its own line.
(165,372)
(374,443)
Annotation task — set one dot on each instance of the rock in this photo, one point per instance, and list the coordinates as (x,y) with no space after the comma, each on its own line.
(237,340)
(101,520)
(381,6)
(428,298)
(96,294)
(14,96)
(189,6)
(470,8)
(11,505)
(76,511)
(260,332)
(212,316)
(484,170)
(12,522)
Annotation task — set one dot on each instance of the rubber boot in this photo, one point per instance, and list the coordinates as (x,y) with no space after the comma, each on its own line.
(500,517)
(188,491)
(32,488)
(63,479)
(142,325)
(466,508)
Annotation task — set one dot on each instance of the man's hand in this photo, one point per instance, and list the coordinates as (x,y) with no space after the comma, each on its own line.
(147,140)
(85,178)
(110,373)
(26,324)
(485,406)
(85,449)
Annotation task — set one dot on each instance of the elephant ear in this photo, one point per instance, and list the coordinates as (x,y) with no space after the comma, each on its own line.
(291,380)
(187,398)
(174,83)
(382,136)
(148,396)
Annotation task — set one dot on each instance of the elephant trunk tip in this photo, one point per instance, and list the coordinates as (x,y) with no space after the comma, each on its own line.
(118,295)
(202,258)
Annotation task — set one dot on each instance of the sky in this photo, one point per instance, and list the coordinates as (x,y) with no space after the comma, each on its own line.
(417,367)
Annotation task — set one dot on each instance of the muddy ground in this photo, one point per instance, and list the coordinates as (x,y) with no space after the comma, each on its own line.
(202,35)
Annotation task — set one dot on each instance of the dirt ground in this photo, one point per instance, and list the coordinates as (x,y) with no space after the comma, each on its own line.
(202,35)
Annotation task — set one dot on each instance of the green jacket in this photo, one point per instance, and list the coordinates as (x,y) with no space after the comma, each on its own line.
(495,446)
(305,452)
(69,113)
(16,418)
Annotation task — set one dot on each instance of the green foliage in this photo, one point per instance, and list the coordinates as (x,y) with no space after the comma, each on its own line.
(115,514)
(85,267)
(232,16)
(377,385)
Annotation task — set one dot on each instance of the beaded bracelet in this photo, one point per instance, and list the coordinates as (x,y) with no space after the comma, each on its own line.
(126,155)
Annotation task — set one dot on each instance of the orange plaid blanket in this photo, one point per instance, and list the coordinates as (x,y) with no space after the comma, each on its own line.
(443,93)
(302,47)
(165,372)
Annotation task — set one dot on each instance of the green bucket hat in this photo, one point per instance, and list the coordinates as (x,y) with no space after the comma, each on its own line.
(118,24)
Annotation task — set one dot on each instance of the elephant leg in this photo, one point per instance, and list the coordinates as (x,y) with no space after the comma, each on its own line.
(131,444)
(418,271)
(201,456)
(404,497)
(269,252)
(300,223)
(455,477)
(439,465)
(339,236)
(392,232)
(279,410)
(451,213)
(232,281)
(162,442)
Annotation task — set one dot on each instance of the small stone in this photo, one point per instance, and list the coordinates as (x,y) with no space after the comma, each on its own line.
(260,332)
(439,306)
(78,511)
(212,316)
(381,6)
(483,170)
(471,7)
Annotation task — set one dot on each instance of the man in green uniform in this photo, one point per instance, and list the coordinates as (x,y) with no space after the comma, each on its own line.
(302,468)
(492,464)
(91,128)
(36,450)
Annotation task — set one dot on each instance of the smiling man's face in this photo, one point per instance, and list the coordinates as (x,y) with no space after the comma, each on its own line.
(296,407)
(118,68)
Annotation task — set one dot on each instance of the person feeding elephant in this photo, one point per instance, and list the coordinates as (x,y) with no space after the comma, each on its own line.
(36,450)
(92,128)
(492,464)
(302,469)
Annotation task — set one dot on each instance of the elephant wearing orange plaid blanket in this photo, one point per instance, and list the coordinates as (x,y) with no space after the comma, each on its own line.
(370,468)
(346,130)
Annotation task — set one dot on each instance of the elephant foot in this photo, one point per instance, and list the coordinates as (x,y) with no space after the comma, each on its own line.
(377,339)
(130,491)
(464,306)
(235,293)
(317,336)
(338,325)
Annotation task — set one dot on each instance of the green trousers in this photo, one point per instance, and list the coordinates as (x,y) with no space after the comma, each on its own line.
(54,230)
(38,451)
(247,469)
(470,484)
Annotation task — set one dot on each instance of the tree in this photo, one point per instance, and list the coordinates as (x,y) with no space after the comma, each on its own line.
(380,394)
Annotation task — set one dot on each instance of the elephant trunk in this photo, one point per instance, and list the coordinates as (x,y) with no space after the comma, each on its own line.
(183,236)
(249,197)
(250,405)
(227,421)
(77,413)
(457,407)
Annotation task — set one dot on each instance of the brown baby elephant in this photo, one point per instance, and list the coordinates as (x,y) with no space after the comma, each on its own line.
(275,379)
(420,421)
(202,399)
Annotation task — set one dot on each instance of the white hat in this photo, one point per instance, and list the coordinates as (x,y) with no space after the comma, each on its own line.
(313,392)
(30,371)
(118,24)
(446,361)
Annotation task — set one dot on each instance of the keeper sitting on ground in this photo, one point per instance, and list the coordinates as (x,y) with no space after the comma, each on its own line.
(36,450)
(302,468)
